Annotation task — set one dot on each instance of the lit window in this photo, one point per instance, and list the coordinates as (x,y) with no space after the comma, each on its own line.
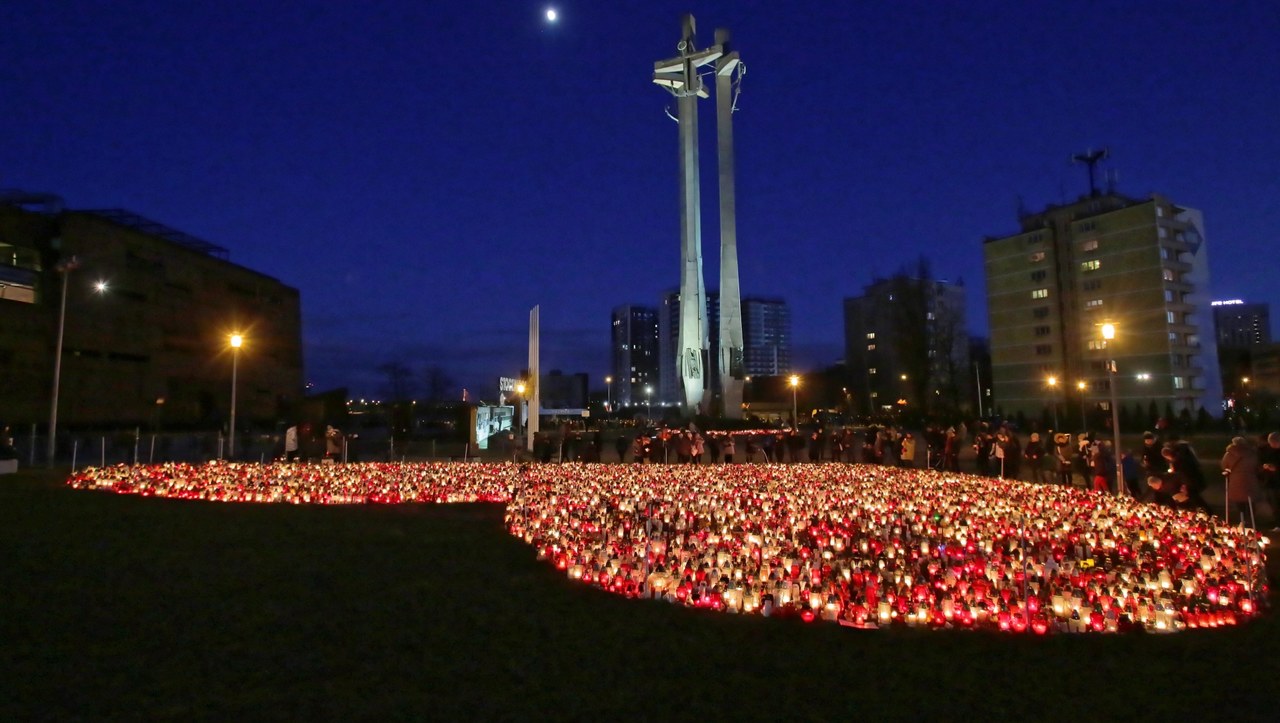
(1090,265)
(1172,317)
(1168,295)
(1169,275)
(871,347)
(1090,245)
(1093,303)
(1040,294)
(1037,257)
(1179,382)
(1163,232)
(871,335)
(872,370)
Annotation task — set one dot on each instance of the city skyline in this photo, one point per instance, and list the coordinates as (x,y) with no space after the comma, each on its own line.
(421,212)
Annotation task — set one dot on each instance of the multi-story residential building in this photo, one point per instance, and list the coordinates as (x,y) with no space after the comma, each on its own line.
(1139,265)
(148,315)
(900,351)
(635,354)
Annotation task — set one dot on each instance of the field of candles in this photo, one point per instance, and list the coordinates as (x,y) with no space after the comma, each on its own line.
(862,546)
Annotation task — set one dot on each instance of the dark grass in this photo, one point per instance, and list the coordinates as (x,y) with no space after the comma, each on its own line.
(119,606)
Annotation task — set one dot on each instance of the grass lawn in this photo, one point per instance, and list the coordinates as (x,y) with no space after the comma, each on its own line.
(119,606)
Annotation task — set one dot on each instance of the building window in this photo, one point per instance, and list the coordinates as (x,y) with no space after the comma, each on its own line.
(1040,312)
(1037,257)
(871,347)
(1040,294)
(1168,296)
(1093,303)
(1044,349)
(1162,232)
(1174,338)
(1172,317)
(1087,226)
(1042,331)
(1093,285)
(1090,245)
(1090,265)
(1096,344)
(1169,275)
(871,335)
(1179,382)
(1039,275)
(1159,211)
(872,370)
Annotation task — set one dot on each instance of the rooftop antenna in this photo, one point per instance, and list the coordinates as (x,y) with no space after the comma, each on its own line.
(1091,159)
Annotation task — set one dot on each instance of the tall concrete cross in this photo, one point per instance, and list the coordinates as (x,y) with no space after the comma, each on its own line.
(679,75)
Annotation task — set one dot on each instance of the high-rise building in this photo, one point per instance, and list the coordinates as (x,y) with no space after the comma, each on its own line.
(635,353)
(906,343)
(1140,265)
(1243,331)
(1240,325)
(766,334)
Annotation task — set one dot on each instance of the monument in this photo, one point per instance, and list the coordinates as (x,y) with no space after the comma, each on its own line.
(680,75)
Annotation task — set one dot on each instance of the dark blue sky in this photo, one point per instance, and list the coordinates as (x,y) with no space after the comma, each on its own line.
(425,172)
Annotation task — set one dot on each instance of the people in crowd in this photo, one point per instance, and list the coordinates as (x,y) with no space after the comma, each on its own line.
(1240,467)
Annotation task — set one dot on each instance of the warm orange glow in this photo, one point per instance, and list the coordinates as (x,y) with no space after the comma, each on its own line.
(794,380)
(1108,331)
(1053,381)
(237,341)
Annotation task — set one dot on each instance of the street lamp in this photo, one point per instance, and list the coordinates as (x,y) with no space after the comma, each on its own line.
(608,406)
(794,381)
(65,268)
(236,341)
(648,400)
(1082,385)
(1109,334)
(1052,381)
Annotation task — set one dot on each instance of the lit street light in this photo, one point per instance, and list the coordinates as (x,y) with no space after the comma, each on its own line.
(648,400)
(1082,385)
(608,406)
(237,340)
(795,382)
(1052,381)
(1109,334)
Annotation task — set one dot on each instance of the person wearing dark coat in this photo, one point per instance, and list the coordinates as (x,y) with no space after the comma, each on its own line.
(1186,476)
(620,445)
(1269,473)
(1034,454)
(1153,463)
(1062,451)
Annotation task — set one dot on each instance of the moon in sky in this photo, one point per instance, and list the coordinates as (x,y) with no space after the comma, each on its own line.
(552,15)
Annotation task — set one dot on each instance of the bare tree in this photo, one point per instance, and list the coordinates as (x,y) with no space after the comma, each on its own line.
(399,381)
(438,383)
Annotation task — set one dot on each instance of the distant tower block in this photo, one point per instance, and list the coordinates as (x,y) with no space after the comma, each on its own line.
(729,72)
(679,75)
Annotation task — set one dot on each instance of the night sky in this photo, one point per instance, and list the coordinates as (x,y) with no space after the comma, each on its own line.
(426,172)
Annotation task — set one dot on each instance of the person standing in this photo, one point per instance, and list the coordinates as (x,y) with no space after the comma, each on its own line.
(1062,454)
(1102,463)
(729,449)
(1269,474)
(1034,454)
(620,446)
(1240,467)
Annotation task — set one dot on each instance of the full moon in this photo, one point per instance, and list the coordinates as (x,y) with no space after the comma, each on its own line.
(551,15)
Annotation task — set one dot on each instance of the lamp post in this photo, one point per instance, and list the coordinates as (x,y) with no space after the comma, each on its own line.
(1109,334)
(1052,381)
(65,268)
(236,341)
(608,405)
(1082,385)
(794,381)
(648,400)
